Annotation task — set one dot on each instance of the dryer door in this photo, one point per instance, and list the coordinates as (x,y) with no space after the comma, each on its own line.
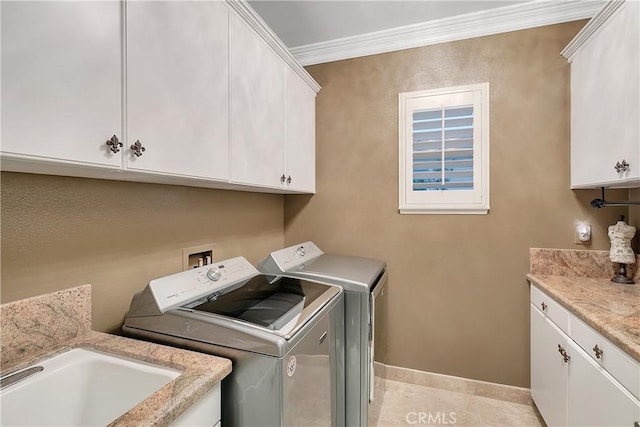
(377,351)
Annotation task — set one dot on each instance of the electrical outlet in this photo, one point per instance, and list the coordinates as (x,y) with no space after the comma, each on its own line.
(197,256)
(582,234)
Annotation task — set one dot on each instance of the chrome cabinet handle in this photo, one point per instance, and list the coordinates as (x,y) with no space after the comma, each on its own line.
(598,351)
(114,144)
(289,180)
(137,148)
(564,354)
(282,179)
(544,306)
(621,167)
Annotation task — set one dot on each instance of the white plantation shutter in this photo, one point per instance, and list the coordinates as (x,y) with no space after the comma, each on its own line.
(444,150)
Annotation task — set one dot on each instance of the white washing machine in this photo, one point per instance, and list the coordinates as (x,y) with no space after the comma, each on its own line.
(281,334)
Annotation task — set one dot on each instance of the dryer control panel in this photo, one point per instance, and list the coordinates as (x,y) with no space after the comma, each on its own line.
(295,256)
(180,288)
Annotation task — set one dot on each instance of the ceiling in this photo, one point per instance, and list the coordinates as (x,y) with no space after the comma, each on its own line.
(306,22)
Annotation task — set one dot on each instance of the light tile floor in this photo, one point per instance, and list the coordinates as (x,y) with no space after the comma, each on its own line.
(407,404)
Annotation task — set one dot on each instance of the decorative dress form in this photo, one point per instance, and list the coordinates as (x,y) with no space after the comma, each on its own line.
(621,252)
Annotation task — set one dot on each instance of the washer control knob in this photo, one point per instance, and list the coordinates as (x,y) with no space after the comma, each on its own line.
(214,274)
(300,251)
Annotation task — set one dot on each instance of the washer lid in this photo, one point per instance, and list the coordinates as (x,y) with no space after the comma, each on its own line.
(282,305)
(306,260)
(350,272)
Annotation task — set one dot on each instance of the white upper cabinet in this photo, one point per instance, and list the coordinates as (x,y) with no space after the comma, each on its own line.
(177,88)
(257,109)
(174,92)
(300,134)
(61,81)
(605,98)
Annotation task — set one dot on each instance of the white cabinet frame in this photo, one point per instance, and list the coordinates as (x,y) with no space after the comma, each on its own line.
(570,386)
(72,141)
(605,98)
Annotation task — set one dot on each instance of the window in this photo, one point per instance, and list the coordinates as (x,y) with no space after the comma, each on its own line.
(444,150)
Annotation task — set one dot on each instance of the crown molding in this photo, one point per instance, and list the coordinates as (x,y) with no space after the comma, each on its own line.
(251,17)
(494,21)
(591,28)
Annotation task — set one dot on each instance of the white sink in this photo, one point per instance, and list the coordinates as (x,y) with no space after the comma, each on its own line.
(81,388)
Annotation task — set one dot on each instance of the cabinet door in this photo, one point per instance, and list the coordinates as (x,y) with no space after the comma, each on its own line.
(548,369)
(605,99)
(257,109)
(595,398)
(61,81)
(300,134)
(177,87)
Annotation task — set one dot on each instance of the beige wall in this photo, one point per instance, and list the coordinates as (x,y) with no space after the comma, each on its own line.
(634,217)
(458,294)
(61,232)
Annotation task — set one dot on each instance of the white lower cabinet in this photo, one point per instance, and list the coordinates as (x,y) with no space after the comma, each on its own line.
(205,412)
(569,386)
(548,369)
(594,397)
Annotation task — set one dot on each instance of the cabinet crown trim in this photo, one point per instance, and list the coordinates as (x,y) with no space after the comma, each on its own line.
(251,17)
(529,14)
(591,28)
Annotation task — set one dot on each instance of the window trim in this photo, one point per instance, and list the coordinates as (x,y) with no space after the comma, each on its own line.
(481,125)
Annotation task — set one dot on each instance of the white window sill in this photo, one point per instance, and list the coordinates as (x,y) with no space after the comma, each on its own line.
(447,211)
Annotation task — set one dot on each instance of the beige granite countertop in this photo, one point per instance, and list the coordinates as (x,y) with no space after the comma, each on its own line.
(40,327)
(611,309)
